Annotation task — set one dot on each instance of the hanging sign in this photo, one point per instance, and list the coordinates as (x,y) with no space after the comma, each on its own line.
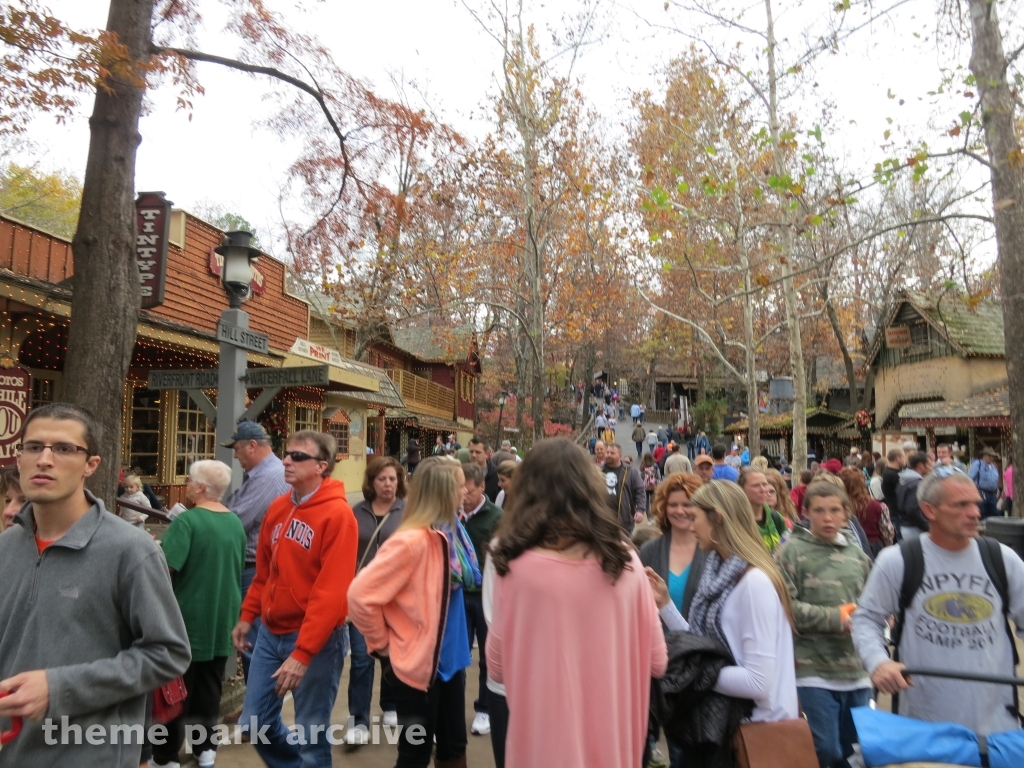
(897,336)
(15,391)
(152,228)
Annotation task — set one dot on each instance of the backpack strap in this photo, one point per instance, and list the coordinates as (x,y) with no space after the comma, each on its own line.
(995,567)
(913,575)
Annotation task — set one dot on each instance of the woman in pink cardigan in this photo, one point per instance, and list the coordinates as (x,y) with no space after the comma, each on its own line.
(576,636)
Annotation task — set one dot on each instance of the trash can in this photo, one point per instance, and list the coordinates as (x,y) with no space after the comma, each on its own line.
(1008,531)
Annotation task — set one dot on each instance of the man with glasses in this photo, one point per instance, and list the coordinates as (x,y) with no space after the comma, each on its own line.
(262,482)
(88,620)
(305,561)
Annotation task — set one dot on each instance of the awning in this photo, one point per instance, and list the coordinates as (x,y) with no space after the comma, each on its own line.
(422,420)
(347,376)
(387,397)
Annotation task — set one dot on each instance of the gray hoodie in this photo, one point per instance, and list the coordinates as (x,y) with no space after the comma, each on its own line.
(97,612)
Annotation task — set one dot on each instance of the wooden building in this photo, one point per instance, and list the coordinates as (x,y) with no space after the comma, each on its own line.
(828,433)
(165,431)
(941,354)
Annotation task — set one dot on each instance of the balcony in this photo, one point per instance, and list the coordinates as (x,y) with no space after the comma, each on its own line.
(424,396)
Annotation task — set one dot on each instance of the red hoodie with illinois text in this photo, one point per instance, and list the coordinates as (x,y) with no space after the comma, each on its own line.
(305,561)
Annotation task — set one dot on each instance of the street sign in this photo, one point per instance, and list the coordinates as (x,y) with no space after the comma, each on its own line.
(299,376)
(182,379)
(243,337)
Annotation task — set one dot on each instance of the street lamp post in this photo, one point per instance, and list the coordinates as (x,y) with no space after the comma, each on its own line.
(236,275)
(501,410)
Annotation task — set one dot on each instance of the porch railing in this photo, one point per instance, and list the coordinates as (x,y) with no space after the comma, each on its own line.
(423,395)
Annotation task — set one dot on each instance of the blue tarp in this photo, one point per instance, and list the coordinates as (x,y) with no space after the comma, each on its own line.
(887,739)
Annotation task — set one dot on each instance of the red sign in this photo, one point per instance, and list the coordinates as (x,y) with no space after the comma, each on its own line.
(259,277)
(15,388)
(152,227)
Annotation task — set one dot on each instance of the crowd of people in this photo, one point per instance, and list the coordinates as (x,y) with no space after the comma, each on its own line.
(609,603)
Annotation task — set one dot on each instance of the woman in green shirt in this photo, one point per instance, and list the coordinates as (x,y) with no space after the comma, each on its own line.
(205,552)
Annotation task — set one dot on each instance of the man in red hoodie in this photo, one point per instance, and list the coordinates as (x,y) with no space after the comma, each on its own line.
(305,561)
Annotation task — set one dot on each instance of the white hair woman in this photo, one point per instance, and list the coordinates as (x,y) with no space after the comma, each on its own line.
(205,551)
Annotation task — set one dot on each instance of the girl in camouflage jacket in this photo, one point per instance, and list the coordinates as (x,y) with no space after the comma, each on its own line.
(825,574)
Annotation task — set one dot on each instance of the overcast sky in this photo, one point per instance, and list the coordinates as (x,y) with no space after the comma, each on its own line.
(222,157)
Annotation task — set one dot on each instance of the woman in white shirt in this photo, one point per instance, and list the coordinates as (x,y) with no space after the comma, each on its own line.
(741,601)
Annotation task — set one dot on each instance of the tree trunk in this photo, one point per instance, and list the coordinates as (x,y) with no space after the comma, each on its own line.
(105,305)
(988,65)
(796,352)
(750,346)
(851,373)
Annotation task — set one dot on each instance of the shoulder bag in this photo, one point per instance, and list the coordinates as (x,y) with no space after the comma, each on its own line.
(783,744)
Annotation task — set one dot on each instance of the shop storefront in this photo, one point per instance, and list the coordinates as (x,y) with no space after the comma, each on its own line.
(166,430)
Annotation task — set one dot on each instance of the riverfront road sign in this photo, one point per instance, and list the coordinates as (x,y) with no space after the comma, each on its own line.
(182,380)
(243,337)
(299,376)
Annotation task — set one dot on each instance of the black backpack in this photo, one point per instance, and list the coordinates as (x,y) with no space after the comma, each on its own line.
(913,575)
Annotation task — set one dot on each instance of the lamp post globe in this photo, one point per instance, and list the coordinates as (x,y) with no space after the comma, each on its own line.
(236,273)
(501,412)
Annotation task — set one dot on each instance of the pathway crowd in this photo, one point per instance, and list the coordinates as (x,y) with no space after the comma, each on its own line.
(694,591)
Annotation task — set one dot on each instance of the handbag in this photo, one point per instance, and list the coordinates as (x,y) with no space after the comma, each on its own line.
(169,701)
(783,744)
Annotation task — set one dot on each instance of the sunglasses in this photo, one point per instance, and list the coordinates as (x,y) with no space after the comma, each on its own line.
(300,456)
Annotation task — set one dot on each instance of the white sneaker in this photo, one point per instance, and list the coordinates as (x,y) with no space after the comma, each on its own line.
(481,724)
(207,758)
(391,718)
(155,764)
(357,736)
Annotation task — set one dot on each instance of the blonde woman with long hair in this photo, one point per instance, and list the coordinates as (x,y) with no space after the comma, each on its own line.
(408,603)
(742,601)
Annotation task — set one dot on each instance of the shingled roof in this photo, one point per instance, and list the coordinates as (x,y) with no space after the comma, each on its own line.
(819,421)
(990,408)
(973,326)
(428,344)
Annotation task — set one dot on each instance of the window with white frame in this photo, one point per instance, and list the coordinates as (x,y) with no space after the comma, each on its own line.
(195,438)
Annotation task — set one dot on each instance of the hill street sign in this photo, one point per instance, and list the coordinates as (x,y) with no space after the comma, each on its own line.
(243,337)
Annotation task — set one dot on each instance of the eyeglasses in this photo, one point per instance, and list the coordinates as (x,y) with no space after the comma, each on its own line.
(60,450)
(300,456)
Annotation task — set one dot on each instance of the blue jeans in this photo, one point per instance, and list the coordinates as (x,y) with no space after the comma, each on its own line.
(314,700)
(248,574)
(828,714)
(360,682)
(988,504)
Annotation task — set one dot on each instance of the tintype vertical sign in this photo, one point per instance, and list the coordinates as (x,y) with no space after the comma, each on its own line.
(15,390)
(153,223)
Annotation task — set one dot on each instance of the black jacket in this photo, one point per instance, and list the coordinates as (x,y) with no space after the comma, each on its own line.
(655,553)
(491,487)
(906,501)
(689,710)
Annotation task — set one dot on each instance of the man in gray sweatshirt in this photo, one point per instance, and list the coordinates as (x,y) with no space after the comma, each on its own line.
(955,621)
(88,621)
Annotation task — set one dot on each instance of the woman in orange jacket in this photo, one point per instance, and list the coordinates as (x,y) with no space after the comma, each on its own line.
(408,604)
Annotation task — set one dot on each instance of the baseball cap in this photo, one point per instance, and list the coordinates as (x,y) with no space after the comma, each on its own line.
(246,430)
(703,459)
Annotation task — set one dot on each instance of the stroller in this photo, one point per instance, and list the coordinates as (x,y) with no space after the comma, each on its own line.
(890,740)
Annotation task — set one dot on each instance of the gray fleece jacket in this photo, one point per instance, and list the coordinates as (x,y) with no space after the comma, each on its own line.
(97,612)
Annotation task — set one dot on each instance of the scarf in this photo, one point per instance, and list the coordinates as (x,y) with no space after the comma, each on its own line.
(769,533)
(463,565)
(716,584)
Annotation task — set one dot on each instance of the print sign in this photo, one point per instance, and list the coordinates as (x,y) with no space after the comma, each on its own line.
(15,392)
